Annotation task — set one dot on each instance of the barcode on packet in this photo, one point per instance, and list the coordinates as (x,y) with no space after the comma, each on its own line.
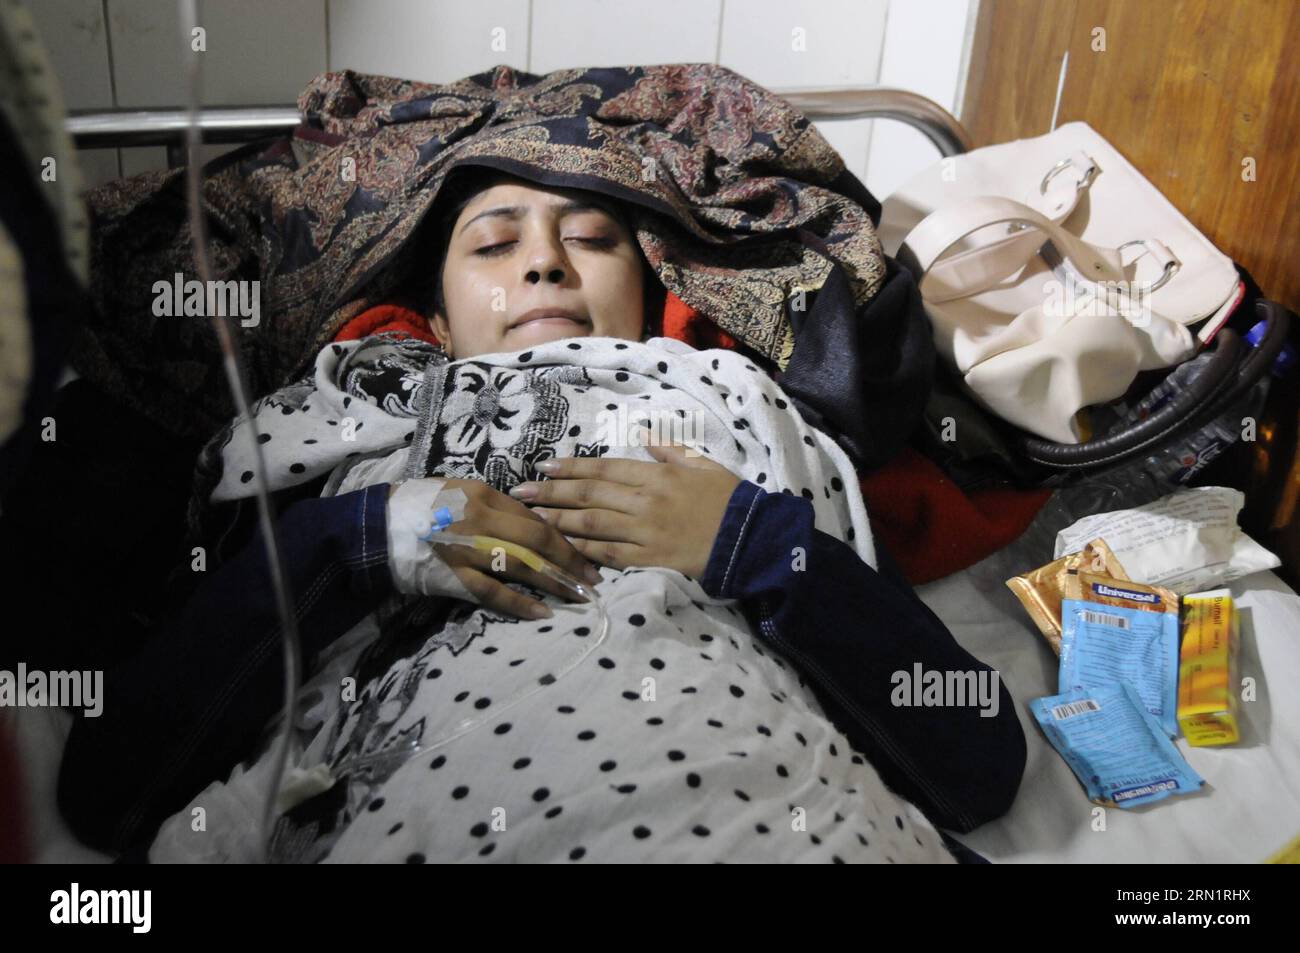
(1070,709)
(1105,618)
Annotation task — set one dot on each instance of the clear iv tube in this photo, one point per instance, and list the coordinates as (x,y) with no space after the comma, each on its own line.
(238,391)
(284,604)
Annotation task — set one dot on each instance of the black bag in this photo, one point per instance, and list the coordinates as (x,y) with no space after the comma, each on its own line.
(1167,427)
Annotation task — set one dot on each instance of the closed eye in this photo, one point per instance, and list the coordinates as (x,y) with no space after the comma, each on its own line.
(490,251)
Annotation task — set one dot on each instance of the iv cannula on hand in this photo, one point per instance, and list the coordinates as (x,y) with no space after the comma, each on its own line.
(438,533)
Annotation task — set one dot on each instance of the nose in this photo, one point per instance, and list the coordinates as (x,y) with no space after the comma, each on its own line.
(547,260)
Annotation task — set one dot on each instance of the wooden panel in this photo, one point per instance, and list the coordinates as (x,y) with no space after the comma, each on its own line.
(1185,89)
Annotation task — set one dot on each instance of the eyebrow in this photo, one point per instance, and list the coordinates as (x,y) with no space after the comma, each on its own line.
(571,207)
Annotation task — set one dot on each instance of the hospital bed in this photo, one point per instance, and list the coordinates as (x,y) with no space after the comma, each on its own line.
(1250,806)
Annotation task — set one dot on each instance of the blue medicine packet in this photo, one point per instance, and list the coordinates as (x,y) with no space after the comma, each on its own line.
(1114,746)
(1114,631)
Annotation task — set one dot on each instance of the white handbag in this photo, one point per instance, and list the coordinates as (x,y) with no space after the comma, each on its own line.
(1053,273)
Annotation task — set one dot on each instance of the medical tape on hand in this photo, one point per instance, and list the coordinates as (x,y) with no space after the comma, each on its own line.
(413,510)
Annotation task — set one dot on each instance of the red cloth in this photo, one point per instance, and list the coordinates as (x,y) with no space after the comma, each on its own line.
(684,323)
(387,317)
(927,523)
(931,527)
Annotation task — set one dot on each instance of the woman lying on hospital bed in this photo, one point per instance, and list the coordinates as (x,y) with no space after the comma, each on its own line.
(752,700)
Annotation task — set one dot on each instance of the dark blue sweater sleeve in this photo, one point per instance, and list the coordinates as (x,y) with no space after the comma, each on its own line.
(849,629)
(195,699)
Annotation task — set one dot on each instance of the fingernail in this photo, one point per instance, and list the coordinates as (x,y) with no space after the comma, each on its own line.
(547,466)
(593,575)
(541,611)
(524,491)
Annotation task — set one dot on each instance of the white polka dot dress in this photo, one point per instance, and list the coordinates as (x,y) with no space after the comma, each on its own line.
(682,742)
(681,737)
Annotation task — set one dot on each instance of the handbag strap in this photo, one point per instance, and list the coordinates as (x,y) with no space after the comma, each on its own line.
(969,273)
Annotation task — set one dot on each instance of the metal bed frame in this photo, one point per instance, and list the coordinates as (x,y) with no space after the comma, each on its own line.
(229,125)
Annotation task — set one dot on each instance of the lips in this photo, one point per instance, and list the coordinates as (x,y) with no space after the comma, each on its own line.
(542,314)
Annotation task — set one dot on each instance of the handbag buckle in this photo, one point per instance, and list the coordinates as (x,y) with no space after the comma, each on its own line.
(1088,174)
(1171,266)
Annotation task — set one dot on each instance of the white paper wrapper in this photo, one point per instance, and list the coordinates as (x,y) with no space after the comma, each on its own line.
(1187,541)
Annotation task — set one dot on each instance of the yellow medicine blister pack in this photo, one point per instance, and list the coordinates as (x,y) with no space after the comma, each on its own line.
(1207,671)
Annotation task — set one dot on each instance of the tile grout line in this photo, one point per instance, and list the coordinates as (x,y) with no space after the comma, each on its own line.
(112,78)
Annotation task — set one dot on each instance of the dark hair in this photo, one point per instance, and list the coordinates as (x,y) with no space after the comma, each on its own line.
(433,238)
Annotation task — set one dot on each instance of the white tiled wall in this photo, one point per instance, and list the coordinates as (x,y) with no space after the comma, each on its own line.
(130,53)
(810,43)
(431,40)
(569,33)
(926,50)
(75,38)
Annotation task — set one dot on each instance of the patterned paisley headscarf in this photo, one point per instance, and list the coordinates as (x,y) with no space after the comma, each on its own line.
(739,204)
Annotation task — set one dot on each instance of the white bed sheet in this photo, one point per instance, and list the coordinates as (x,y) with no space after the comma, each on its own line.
(1249,807)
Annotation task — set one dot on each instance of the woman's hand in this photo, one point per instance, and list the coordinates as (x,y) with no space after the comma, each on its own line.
(489,512)
(622,513)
